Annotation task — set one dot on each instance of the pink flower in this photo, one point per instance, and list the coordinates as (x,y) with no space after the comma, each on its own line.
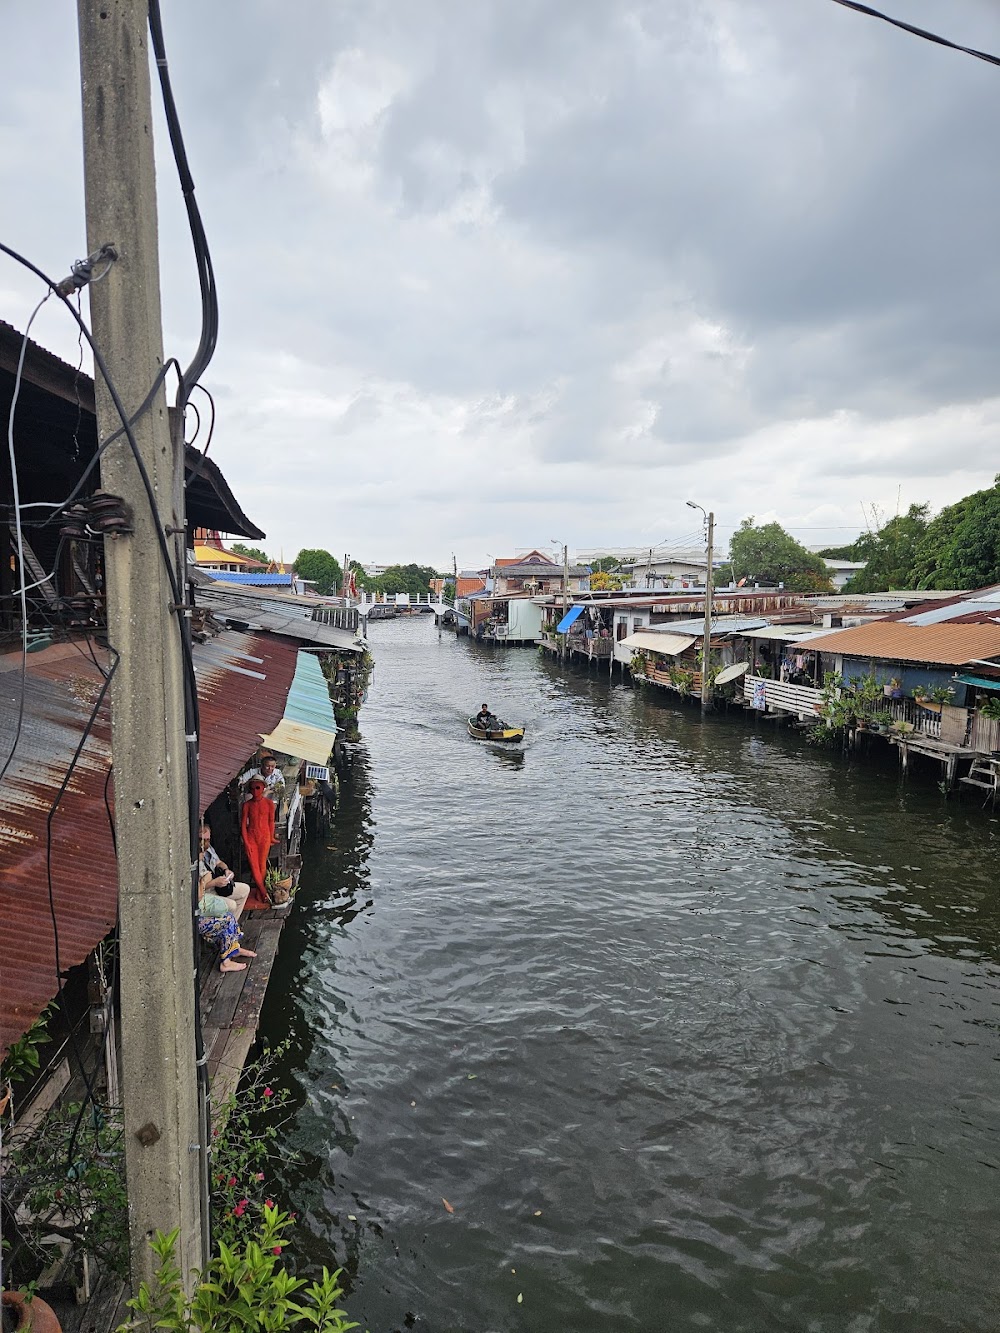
(268,1203)
(240,1208)
(276,1250)
(259,1175)
(268,1092)
(232,1181)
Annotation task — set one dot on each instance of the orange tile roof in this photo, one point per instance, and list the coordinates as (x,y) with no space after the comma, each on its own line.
(467,586)
(946,644)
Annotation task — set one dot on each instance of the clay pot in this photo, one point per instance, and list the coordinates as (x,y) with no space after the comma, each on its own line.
(34,1316)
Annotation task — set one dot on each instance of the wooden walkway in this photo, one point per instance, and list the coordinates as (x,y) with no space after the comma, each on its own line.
(231,1002)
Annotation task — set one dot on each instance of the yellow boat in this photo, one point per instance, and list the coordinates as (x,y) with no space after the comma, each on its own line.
(509,735)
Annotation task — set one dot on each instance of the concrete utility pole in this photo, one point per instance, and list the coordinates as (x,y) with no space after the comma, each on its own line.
(159,1086)
(706,644)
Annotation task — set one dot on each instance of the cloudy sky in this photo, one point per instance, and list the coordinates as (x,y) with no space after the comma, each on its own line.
(494,272)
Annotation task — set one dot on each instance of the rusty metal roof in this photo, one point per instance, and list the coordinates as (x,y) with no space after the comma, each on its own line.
(243,682)
(945,644)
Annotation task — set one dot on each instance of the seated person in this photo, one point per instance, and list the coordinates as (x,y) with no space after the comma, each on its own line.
(270,775)
(218,878)
(485,720)
(217,925)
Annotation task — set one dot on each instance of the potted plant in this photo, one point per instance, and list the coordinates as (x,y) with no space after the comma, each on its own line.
(279,888)
(893,690)
(30,1313)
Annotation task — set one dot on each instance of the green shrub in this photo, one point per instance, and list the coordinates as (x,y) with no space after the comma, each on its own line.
(245,1287)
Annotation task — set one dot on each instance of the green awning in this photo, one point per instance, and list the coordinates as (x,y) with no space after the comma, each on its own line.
(309,697)
(981,681)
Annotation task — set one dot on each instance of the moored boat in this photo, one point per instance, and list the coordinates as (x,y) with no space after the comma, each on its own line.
(509,735)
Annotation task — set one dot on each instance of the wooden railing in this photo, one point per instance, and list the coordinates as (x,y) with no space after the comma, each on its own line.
(579,643)
(663,678)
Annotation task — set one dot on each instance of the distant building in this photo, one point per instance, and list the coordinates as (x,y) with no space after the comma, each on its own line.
(210,554)
(534,573)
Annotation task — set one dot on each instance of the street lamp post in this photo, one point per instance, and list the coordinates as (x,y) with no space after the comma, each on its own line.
(706,649)
(565,594)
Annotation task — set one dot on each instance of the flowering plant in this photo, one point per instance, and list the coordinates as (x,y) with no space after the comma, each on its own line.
(247,1127)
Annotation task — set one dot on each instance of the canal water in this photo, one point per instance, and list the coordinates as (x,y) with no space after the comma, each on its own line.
(693,1027)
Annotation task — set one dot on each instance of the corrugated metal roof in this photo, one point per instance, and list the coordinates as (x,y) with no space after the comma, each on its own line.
(791,633)
(966,606)
(284,617)
(243,681)
(898,641)
(61,688)
(720,624)
(309,698)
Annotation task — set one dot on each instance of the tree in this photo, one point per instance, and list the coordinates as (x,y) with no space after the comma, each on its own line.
(319,568)
(603,581)
(961,548)
(412,579)
(768,554)
(606,564)
(890,553)
(251,552)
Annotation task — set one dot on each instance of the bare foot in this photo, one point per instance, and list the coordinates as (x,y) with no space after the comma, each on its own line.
(230,966)
(247,953)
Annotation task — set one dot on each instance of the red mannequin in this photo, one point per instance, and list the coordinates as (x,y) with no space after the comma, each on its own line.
(257,829)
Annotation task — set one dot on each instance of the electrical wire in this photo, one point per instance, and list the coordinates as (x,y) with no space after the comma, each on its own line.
(105,686)
(919,32)
(19,536)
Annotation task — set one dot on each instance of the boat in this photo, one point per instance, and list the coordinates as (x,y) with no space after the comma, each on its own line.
(508,735)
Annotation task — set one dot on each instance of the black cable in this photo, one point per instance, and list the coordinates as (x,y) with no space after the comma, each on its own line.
(175,586)
(48,854)
(919,32)
(203,260)
(190,407)
(211,424)
(140,412)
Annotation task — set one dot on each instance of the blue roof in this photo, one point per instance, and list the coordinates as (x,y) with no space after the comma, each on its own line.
(254,580)
(573,614)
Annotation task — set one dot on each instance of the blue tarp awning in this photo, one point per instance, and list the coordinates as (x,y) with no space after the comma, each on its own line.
(573,614)
(981,681)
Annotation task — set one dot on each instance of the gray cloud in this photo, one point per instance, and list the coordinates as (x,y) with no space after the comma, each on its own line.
(608,255)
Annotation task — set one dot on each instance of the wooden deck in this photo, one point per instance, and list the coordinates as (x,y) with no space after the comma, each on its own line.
(231,1002)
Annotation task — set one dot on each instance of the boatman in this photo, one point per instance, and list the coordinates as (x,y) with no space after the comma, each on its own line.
(485,720)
